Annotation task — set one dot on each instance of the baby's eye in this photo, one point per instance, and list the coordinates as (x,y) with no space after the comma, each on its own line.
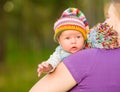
(78,36)
(67,38)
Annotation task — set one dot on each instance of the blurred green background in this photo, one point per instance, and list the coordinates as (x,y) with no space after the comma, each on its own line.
(26,36)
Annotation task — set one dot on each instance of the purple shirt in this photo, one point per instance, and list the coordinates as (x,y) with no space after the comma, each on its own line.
(95,70)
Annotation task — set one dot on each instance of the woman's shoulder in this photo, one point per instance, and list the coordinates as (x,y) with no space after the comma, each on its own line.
(92,54)
(88,51)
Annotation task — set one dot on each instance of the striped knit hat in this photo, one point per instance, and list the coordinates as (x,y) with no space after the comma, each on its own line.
(71,19)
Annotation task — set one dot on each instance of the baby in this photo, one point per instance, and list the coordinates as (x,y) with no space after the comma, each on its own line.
(71,34)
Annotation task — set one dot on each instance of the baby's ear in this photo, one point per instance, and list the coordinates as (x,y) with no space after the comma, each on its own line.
(59,42)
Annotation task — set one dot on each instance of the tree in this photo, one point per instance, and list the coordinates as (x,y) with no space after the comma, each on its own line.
(2,31)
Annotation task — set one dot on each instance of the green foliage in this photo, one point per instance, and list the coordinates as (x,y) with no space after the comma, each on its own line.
(26,36)
(19,74)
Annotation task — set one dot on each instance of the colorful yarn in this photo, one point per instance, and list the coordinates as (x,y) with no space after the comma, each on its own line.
(102,36)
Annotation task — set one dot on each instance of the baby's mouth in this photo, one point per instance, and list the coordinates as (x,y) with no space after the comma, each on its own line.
(74,48)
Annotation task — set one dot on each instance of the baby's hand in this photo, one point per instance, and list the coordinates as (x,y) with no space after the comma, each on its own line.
(44,67)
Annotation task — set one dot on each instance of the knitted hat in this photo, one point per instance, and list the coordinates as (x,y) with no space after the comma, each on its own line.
(102,36)
(71,19)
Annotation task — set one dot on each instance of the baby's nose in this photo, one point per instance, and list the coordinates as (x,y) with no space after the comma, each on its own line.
(73,40)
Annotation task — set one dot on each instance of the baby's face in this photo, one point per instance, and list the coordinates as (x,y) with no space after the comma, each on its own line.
(71,41)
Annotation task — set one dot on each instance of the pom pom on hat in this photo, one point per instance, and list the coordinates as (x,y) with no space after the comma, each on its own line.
(71,19)
(102,36)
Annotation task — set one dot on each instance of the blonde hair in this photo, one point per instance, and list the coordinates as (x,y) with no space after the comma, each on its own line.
(116,4)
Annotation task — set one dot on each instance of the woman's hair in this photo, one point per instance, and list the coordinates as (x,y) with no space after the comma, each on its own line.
(116,4)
